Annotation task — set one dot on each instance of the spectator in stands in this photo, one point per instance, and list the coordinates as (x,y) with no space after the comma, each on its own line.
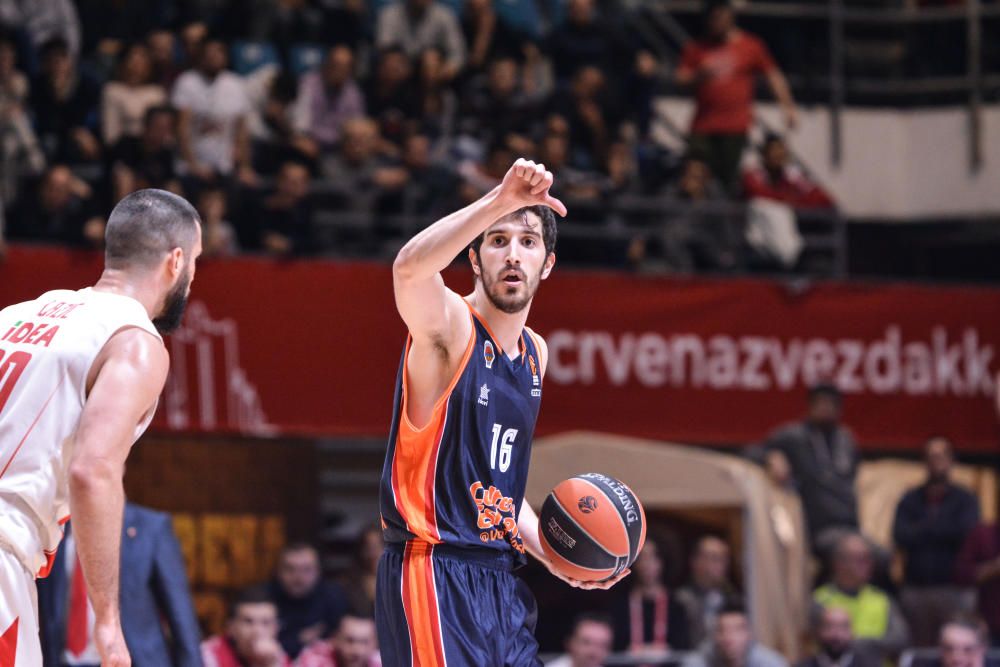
(589,644)
(963,641)
(358,170)
(283,225)
(880,630)
(308,607)
(592,115)
(353,645)
(649,620)
(776,179)
(13,83)
(584,39)
(479,177)
(284,23)
(835,642)
(438,103)
(359,582)
(819,457)
(125,101)
(163,56)
(697,234)
(732,644)
(251,635)
(60,211)
(44,21)
(570,183)
(217,233)
(147,161)
(709,590)
(495,107)
(429,186)
(931,523)
(274,132)
(489,37)
(329,97)
(64,102)
(722,68)
(979,565)
(212,121)
(392,97)
(418,25)
(21,156)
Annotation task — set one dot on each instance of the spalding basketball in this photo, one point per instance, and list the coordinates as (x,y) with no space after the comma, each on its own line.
(592,527)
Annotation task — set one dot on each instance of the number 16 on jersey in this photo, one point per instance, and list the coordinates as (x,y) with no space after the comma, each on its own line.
(506,446)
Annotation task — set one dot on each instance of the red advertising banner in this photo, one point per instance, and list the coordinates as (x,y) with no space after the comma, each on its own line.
(312,348)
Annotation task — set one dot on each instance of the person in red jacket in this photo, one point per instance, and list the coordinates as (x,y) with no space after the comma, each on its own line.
(775,179)
(722,67)
(251,635)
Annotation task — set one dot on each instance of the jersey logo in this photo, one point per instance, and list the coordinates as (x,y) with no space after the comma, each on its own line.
(534,370)
(484,395)
(497,516)
(489,354)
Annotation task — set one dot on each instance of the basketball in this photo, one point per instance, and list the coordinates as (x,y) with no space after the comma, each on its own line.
(592,527)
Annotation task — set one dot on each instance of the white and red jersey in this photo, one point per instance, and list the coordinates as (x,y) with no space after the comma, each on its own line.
(47,347)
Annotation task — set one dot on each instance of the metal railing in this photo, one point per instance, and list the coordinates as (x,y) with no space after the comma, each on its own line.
(611,222)
(840,18)
(673,658)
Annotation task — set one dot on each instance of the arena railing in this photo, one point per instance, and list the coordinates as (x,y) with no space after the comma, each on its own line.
(616,220)
(973,19)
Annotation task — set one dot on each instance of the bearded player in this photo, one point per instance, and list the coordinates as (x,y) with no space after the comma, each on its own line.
(467,397)
(80,373)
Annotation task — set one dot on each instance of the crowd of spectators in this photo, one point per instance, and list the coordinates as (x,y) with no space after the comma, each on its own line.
(284,115)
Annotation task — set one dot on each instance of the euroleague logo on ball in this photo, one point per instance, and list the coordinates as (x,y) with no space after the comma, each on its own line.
(587,504)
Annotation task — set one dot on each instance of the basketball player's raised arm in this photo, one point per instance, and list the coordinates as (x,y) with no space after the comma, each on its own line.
(128,376)
(431,310)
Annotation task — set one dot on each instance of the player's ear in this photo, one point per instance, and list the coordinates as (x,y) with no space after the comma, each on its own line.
(550,262)
(474,261)
(175,263)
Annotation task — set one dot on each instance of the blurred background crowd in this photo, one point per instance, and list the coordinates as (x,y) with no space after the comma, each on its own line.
(340,127)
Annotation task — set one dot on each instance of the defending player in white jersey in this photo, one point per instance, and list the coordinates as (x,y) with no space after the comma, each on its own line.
(80,373)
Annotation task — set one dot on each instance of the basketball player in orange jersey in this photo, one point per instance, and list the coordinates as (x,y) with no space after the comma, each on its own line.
(467,397)
(80,373)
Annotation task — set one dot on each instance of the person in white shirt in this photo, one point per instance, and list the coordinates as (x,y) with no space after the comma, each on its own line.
(589,645)
(212,119)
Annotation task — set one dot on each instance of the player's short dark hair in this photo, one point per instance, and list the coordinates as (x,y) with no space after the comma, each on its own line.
(733,606)
(255,595)
(154,111)
(824,390)
(146,225)
(591,617)
(550,229)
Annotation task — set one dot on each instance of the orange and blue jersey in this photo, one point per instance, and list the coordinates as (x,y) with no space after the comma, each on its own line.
(460,479)
(450,495)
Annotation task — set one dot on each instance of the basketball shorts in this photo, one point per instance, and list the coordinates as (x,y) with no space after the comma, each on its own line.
(441,605)
(19,643)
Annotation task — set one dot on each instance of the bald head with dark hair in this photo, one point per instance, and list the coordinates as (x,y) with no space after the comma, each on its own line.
(147,225)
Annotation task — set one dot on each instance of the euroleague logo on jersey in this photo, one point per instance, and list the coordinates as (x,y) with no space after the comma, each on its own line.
(488,354)
(587,504)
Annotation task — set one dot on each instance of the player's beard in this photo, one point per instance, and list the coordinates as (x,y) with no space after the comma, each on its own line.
(497,291)
(170,317)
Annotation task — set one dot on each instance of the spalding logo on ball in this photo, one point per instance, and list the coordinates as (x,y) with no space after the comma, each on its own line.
(592,527)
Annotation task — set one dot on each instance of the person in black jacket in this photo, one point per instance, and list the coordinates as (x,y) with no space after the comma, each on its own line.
(932,521)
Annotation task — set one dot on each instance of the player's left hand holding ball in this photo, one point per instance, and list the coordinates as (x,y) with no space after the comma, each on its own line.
(527,184)
(590,585)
